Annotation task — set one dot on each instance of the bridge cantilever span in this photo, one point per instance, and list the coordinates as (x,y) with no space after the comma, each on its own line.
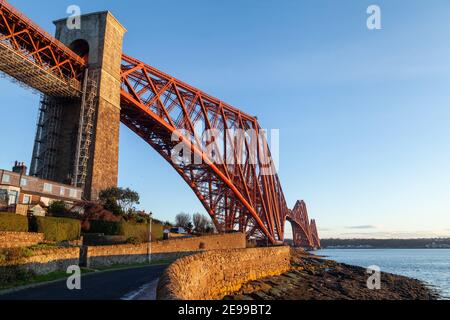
(245,195)
(35,58)
(315,234)
(304,231)
(237,197)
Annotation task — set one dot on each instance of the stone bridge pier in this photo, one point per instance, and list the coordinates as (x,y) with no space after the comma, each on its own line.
(77,140)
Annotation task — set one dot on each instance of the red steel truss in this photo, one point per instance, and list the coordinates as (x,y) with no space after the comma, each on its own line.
(304,232)
(240,196)
(32,56)
(315,234)
(234,178)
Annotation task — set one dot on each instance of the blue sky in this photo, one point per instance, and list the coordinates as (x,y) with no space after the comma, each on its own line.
(363,115)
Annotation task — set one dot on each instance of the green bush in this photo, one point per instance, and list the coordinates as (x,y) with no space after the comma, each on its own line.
(127,229)
(157,231)
(109,228)
(133,240)
(140,231)
(135,230)
(10,275)
(57,229)
(57,208)
(8,255)
(13,222)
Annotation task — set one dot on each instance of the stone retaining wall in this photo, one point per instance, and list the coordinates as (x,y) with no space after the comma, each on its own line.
(214,274)
(58,259)
(159,250)
(19,239)
(48,260)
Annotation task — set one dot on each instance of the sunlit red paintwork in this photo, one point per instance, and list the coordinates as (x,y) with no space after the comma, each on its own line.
(156,105)
(37,47)
(238,197)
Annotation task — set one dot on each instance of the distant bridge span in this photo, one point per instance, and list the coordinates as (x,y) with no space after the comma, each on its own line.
(156,106)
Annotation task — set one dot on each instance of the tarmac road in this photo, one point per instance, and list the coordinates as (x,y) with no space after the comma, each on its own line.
(126,284)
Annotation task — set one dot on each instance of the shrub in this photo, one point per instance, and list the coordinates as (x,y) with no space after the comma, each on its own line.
(42,246)
(134,240)
(109,228)
(9,255)
(57,208)
(135,230)
(157,231)
(140,231)
(95,212)
(13,222)
(57,229)
(10,275)
(126,229)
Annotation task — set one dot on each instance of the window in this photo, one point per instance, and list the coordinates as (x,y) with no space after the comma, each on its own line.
(12,197)
(62,192)
(3,196)
(6,178)
(48,187)
(26,199)
(73,193)
(23,182)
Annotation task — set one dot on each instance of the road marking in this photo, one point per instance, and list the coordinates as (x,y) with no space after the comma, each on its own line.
(145,292)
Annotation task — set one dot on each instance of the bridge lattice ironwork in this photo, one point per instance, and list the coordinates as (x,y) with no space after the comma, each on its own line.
(238,187)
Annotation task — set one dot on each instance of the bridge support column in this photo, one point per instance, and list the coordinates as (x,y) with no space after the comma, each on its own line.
(87,142)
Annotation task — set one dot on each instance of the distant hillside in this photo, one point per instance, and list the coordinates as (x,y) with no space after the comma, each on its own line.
(386,243)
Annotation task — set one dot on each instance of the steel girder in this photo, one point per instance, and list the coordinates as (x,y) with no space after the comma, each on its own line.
(315,234)
(35,58)
(237,196)
(156,106)
(304,231)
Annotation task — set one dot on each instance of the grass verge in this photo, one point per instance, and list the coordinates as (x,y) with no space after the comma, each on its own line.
(35,279)
(134,265)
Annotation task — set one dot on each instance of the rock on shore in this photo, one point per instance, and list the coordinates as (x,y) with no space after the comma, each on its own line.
(315,278)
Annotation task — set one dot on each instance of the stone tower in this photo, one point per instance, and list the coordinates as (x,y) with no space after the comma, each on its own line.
(77,141)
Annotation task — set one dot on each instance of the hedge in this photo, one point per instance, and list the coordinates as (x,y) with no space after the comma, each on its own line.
(126,229)
(109,228)
(57,229)
(157,231)
(13,222)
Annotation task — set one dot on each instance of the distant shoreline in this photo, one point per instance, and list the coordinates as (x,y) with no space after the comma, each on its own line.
(439,243)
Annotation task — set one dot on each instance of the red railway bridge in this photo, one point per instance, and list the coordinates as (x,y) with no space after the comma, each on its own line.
(89,86)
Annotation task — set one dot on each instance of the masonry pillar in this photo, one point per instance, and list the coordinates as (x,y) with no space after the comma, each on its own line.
(100,41)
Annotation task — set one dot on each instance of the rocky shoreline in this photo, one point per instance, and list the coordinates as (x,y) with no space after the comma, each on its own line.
(316,278)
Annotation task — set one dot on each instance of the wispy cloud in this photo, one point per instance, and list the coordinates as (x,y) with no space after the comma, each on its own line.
(368,226)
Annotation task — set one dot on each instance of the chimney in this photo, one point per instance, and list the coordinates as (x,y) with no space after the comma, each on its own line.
(20,167)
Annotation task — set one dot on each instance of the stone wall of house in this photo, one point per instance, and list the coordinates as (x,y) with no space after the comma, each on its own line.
(47,260)
(159,250)
(214,274)
(19,239)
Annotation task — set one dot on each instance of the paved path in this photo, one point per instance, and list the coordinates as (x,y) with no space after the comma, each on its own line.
(128,284)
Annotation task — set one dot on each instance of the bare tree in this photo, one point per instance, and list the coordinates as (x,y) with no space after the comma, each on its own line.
(183,220)
(202,224)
